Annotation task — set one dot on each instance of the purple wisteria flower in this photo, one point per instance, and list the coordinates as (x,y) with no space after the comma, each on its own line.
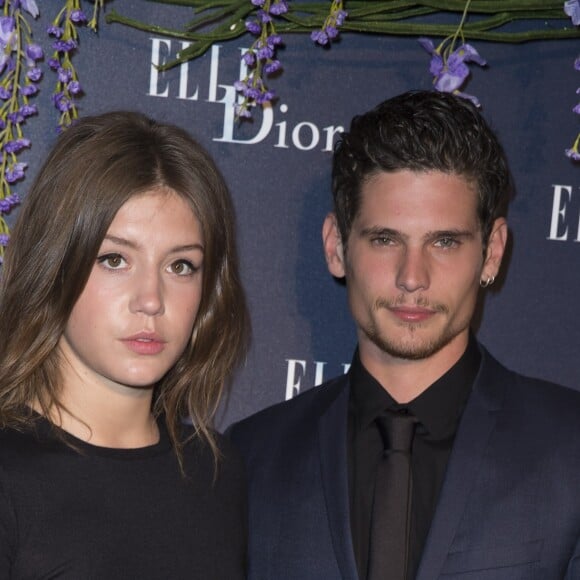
(8,36)
(18,76)
(8,42)
(8,203)
(451,72)
(56,31)
(15,172)
(29,90)
(64,45)
(330,28)
(64,74)
(319,36)
(34,74)
(279,7)
(34,52)
(260,58)
(74,88)
(17,145)
(264,17)
(272,66)
(4,60)
(62,102)
(78,17)
(572,9)
(64,30)
(249,58)
(15,117)
(243,111)
(254,89)
(574,151)
(253,26)
(30,7)
(28,110)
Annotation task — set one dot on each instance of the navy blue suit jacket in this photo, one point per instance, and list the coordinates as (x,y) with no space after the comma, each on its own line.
(509,508)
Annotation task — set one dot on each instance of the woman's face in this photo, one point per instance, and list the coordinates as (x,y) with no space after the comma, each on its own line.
(135,316)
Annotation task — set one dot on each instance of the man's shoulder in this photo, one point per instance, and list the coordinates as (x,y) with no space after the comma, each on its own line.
(302,411)
(528,392)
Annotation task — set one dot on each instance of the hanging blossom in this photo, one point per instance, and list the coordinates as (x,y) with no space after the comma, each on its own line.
(572,9)
(19,77)
(448,63)
(333,22)
(260,59)
(64,31)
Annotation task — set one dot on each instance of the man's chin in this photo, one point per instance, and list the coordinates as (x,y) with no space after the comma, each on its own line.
(413,347)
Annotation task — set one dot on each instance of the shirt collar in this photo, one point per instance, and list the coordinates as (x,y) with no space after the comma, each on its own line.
(437,409)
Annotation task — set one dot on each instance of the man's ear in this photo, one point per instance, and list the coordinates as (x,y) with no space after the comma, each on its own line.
(495,249)
(333,248)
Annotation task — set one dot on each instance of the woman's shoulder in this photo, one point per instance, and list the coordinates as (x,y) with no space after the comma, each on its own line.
(224,459)
(21,439)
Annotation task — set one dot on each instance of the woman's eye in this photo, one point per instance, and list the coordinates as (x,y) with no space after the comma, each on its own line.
(112,261)
(182,268)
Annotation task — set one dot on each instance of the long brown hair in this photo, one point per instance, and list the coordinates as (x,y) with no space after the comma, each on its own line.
(94,168)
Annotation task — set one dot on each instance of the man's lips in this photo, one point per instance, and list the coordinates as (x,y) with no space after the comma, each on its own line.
(144,343)
(412,313)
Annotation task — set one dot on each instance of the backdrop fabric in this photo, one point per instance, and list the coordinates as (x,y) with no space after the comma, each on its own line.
(278,171)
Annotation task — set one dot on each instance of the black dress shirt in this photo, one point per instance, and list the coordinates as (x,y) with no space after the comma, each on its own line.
(437,410)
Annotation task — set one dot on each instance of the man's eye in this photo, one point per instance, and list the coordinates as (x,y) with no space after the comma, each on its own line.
(383,241)
(112,261)
(183,268)
(447,243)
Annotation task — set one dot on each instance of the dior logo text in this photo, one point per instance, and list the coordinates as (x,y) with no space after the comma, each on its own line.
(304,136)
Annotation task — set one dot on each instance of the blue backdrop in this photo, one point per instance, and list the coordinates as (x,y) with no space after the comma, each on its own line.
(278,169)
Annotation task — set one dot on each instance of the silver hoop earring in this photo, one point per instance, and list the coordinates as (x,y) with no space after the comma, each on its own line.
(488,282)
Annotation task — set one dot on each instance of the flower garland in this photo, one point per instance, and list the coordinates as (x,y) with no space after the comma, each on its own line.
(267,21)
(20,75)
(572,9)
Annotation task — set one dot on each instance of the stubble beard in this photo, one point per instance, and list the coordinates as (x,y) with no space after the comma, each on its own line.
(409,349)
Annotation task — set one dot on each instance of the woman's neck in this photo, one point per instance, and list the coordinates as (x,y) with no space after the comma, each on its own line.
(106,415)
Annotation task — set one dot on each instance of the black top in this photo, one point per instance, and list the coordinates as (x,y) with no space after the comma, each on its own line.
(437,410)
(105,514)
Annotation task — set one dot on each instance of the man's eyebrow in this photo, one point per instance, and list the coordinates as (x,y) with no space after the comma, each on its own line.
(454,233)
(379,231)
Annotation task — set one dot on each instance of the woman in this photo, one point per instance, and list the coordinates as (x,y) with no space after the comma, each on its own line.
(121,313)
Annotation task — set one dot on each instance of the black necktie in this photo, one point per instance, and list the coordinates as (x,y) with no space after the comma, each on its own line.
(392,501)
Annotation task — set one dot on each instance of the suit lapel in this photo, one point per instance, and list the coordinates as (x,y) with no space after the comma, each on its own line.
(333,457)
(472,436)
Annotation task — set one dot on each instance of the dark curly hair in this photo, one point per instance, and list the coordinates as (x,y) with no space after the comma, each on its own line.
(421,131)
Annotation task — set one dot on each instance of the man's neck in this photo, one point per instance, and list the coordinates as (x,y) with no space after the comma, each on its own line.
(406,379)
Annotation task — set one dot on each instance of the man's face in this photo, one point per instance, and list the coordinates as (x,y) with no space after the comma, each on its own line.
(413,263)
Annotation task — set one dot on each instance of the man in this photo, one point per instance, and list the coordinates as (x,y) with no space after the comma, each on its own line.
(487,486)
